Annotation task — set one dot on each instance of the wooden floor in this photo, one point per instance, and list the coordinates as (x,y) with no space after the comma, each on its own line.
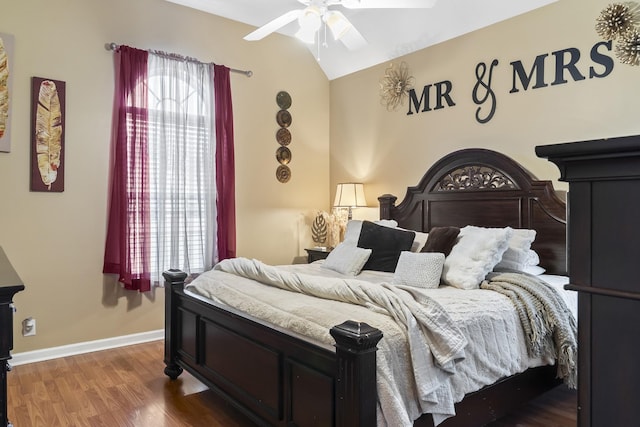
(127,387)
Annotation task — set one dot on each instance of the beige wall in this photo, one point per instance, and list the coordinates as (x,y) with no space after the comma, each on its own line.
(390,150)
(340,133)
(56,241)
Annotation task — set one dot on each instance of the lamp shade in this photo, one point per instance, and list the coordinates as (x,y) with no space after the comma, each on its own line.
(350,195)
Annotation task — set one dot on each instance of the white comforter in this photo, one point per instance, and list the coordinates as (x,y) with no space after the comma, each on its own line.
(487,320)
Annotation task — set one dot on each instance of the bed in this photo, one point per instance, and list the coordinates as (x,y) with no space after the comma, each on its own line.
(283,378)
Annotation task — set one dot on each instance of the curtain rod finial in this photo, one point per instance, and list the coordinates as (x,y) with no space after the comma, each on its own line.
(110,46)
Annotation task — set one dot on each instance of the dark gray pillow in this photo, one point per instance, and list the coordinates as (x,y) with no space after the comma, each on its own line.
(385,243)
(441,239)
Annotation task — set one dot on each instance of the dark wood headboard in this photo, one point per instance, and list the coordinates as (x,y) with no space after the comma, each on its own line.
(487,189)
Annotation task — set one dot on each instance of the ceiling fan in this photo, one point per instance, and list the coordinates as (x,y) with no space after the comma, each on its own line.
(318,12)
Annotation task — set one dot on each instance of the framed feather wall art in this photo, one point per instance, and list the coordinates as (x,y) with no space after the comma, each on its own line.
(47,134)
(6,100)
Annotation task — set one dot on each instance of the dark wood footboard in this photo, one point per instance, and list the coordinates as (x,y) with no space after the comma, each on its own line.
(275,378)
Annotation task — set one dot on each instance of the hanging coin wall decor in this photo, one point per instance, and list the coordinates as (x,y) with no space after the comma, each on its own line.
(283,118)
(283,173)
(283,99)
(283,136)
(283,155)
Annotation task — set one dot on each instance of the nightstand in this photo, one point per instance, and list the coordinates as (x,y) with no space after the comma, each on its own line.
(314,254)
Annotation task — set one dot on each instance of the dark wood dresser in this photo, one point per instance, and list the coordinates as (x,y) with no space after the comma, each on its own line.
(604,267)
(10,284)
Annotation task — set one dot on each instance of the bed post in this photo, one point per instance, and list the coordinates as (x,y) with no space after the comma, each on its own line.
(174,279)
(356,390)
(387,202)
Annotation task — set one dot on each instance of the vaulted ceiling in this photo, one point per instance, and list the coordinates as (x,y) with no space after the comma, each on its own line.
(390,33)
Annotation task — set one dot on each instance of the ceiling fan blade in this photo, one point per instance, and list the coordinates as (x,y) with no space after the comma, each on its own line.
(274,25)
(388,4)
(353,40)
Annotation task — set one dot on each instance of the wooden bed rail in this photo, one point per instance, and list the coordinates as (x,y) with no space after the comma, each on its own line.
(348,374)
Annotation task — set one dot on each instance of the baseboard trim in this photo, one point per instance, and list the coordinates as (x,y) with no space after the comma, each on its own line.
(84,347)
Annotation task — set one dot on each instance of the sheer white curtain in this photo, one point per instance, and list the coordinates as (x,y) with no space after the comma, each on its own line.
(182,165)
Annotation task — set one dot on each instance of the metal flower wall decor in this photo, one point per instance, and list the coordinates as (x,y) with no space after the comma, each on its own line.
(619,21)
(395,86)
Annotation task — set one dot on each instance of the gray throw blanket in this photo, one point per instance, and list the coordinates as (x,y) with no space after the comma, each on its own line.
(546,320)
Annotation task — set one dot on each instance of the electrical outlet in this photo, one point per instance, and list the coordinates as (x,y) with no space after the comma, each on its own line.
(28,327)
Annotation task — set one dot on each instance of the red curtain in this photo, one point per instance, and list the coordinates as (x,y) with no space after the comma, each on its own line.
(128,231)
(225,169)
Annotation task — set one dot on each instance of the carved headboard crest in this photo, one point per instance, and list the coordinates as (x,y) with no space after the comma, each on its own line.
(474,177)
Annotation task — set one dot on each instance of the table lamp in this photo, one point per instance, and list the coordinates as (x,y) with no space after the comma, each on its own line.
(350,195)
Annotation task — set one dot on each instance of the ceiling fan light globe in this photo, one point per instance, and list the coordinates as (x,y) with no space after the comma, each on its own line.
(310,18)
(310,21)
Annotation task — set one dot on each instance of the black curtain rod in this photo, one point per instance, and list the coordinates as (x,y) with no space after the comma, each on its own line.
(113,46)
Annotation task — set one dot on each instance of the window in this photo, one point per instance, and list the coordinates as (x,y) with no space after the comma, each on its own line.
(171,204)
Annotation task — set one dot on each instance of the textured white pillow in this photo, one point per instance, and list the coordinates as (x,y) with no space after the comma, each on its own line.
(347,259)
(475,254)
(519,254)
(420,270)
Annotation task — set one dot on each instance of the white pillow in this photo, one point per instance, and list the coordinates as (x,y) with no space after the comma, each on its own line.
(420,270)
(519,254)
(475,254)
(347,259)
(532,257)
(535,270)
(352,232)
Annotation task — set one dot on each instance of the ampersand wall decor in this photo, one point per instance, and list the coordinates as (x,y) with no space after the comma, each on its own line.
(487,93)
